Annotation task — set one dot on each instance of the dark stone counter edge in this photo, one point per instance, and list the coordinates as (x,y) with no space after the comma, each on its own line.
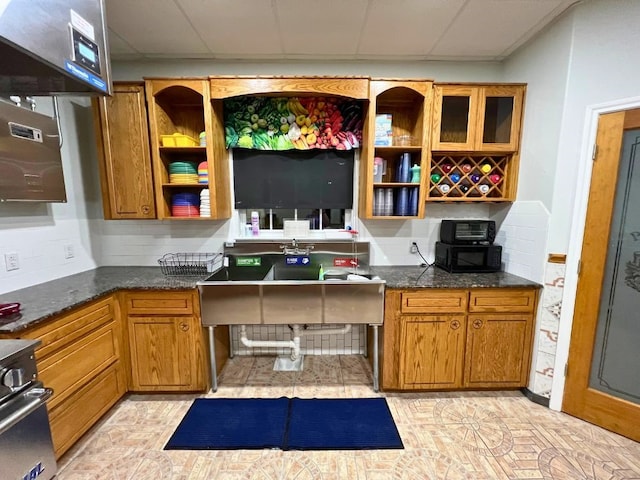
(398,277)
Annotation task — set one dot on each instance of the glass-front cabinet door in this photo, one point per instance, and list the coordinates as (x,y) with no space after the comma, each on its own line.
(455,117)
(500,112)
(477,118)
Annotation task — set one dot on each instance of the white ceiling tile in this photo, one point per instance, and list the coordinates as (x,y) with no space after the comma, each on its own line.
(154,27)
(488,28)
(235,27)
(117,46)
(335,29)
(406,27)
(329,27)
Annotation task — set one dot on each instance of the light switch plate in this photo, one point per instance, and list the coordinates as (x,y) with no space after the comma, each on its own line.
(68,251)
(11,261)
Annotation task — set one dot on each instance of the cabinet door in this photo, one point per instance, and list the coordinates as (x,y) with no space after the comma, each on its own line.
(123,144)
(498,350)
(432,352)
(499,119)
(163,353)
(455,118)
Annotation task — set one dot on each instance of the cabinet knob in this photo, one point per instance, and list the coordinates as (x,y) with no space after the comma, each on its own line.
(455,324)
(184,326)
(146,209)
(477,323)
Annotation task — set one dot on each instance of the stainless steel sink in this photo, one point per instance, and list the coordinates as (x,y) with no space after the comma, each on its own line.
(239,274)
(282,271)
(260,286)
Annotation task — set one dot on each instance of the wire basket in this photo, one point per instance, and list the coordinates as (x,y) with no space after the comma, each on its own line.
(188,263)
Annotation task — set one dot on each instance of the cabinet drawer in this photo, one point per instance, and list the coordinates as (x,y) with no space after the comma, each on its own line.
(72,418)
(71,327)
(502,300)
(434,301)
(160,303)
(69,369)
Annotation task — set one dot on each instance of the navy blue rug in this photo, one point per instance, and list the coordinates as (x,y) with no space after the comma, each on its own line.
(286,423)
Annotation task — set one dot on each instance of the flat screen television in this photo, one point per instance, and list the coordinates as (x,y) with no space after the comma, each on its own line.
(293,178)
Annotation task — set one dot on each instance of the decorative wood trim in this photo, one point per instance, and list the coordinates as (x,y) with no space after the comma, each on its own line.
(560,258)
(632,119)
(350,87)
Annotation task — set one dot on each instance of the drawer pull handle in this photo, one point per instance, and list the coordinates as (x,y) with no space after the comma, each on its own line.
(455,324)
(477,323)
(184,326)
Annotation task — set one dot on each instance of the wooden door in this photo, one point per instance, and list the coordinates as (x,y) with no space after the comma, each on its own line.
(609,274)
(161,352)
(432,352)
(498,350)
(123,145)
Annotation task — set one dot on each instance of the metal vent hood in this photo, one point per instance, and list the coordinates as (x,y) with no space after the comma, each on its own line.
(51,47)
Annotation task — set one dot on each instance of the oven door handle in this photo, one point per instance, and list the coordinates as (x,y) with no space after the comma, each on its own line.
(19,409)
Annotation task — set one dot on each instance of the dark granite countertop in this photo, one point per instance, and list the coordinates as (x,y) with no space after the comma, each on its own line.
(401,276)
(43,301)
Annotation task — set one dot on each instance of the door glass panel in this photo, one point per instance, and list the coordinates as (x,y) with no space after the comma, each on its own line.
(498,115)
(616,356)
(454,126)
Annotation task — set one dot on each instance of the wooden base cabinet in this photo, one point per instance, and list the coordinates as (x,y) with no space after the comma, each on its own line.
(166,341)
(80,359)
(498,350)
(441,339)
(436,358)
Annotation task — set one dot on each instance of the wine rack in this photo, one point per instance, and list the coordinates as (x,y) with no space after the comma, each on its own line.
(471,178)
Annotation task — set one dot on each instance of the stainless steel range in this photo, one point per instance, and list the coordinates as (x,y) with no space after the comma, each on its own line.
(26,449)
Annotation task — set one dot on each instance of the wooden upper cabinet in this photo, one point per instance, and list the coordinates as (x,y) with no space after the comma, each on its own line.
(477,118)
(180,110)
(407,105)
(125,161)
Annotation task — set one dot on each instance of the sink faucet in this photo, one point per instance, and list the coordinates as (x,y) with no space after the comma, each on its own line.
(294,248)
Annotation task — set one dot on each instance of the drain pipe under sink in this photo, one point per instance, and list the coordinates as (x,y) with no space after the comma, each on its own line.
(326,331)
(293,344)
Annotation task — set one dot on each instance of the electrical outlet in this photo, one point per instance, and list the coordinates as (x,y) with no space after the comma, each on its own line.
(68,251)
(413,248)
(11,260)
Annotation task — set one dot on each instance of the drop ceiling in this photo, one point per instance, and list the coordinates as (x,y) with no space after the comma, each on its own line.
(459,30)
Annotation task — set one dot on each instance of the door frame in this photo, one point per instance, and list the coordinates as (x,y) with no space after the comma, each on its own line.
(576,236)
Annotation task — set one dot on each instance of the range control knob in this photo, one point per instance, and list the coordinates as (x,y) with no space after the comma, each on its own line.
(14,378)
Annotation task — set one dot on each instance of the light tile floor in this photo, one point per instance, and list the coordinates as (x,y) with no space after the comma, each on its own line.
(455,435)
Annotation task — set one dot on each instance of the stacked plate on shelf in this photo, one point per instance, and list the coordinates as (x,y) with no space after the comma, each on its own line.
(183,173)
(205,203)
(203,172)
(185,205)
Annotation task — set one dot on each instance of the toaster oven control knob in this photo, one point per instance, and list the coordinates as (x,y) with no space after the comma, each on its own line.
(14,378)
